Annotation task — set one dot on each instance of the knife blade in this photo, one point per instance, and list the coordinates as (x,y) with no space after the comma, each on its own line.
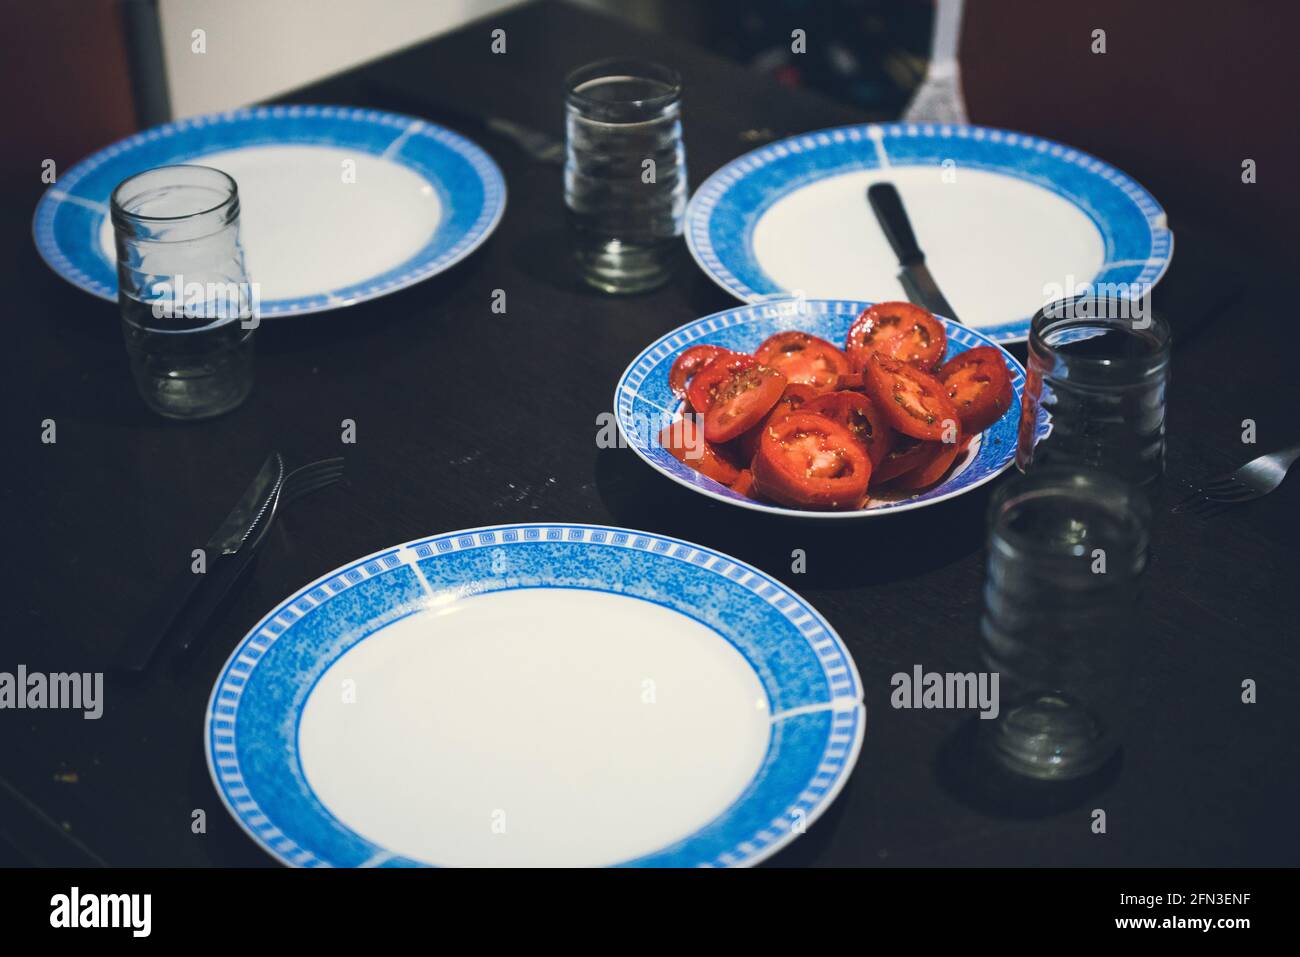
(917,281)
(232,571)
(141,645)
(236,527)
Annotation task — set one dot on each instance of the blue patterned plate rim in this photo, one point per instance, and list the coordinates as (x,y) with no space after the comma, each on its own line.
(643,403)
(721,267)
(827,773)
(72,250)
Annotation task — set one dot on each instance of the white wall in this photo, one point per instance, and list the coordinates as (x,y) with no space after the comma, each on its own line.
(258,48)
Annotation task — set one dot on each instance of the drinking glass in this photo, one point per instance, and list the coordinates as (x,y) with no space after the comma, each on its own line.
(625,173)
(188,309)
(1067,550)
(1099,372)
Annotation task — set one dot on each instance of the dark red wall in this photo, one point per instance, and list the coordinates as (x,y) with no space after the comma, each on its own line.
(1186,90)
(63,68)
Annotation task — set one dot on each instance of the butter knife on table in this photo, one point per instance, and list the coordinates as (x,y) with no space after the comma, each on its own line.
(229,537)
(915,276)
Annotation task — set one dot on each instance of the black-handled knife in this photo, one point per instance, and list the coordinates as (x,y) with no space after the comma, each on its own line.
(233,570)
(915,277)
(224,543)
(225,578)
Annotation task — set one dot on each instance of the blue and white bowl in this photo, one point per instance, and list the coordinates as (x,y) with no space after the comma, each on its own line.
(644,403)
(540,694)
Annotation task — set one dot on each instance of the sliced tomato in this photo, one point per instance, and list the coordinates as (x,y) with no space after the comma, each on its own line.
(805,460)
(744,484)
(742,401)
(940,456)
(859,415)
(852,380)
(914,402)
(979,385)
(804,359)
(684,440)
(793,398)
(704,384)
(689,363)
(896,330)
(907,454)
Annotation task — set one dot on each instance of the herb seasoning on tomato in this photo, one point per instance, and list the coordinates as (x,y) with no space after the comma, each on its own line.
(896,330)
(804,359)
(703,387)
(979,385)
(807,461)
(914,402)
(741,402)
(859,415)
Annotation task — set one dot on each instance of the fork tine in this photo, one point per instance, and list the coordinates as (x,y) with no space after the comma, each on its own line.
(1242,494)
(1210,508)
(307,472)
(1224,485)
(332,463)
(1201,504)
(1206,507)
(316,478)
(303,493)
(1185,504)
(314,483)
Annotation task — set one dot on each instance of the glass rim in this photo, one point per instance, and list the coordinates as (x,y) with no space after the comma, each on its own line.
(1111,492)
(636,67)
(1059,312)
(118,210)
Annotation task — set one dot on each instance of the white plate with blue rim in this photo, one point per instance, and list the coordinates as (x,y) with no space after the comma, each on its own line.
(1007,221)
(540,694)
(644,403)
(338,205)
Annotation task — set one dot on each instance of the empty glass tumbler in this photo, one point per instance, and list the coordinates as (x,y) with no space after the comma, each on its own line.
(1067,550)
(625,173)
(188,309)
(1098,368)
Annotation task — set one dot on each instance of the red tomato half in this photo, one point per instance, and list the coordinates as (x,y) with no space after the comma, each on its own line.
(859,415)
(940,458)
(896,330)
(742,401)
(744,484)
(907,454)
(689,363)
(793,398)
(914,402)
(807,461)
(704,384)
(685,441)
(979,385)
(804,359)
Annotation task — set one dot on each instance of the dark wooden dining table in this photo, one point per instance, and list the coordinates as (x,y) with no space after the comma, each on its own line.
(465,416)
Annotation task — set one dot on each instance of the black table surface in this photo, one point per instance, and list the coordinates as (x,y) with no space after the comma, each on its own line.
(465,417)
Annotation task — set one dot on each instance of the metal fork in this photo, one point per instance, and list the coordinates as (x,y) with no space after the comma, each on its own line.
(1257,477)
(301,481)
